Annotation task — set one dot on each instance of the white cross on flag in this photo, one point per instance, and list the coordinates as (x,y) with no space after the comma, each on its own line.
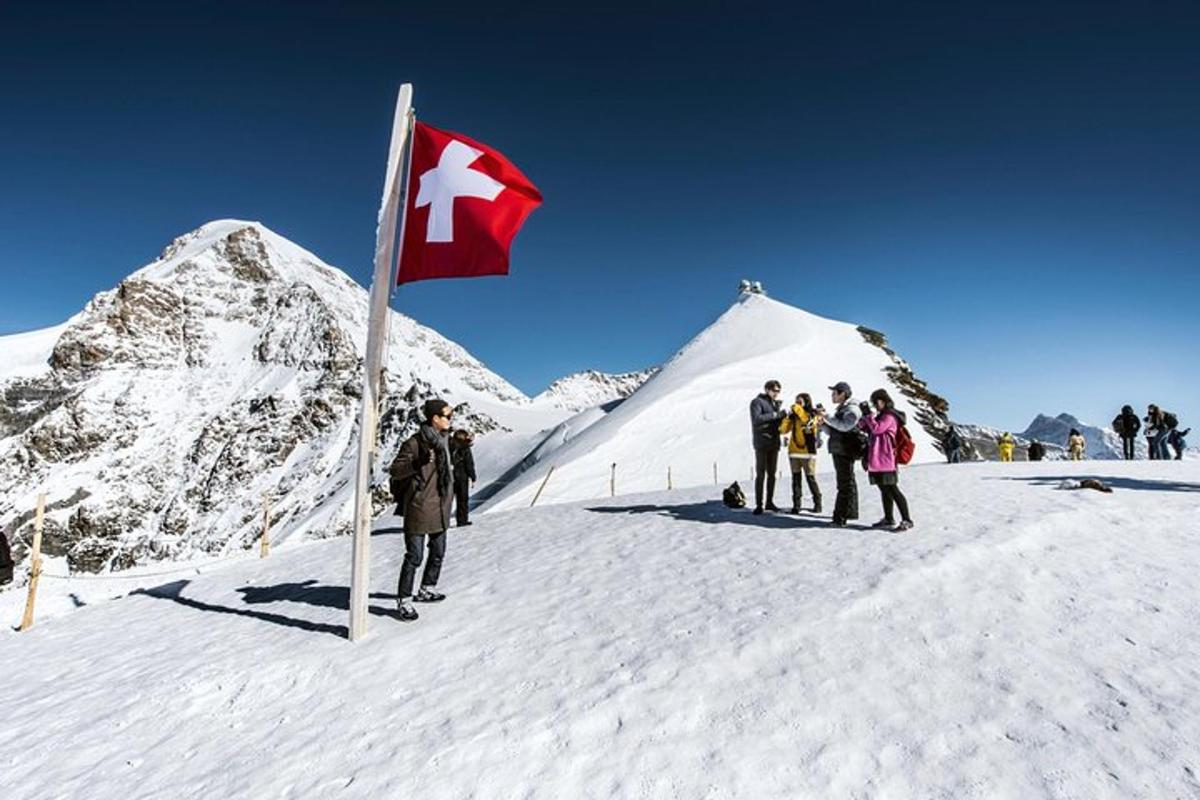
(467,204)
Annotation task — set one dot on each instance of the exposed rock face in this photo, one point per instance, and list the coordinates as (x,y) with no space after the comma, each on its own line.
(932,411)
(227,370)
(589,389)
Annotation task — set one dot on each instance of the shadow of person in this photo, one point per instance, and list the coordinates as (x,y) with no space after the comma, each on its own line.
(714,512)
(1116,482)
(305,592)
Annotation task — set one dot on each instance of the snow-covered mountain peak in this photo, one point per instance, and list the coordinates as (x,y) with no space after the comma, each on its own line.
(228,368)
(591,388)
(690,425)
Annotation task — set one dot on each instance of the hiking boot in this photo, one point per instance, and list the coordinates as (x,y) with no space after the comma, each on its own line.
(903,526)
(427,595)
(885,523)
(757,510)
(772,507)
(837,523)
(816,509)
(405,612)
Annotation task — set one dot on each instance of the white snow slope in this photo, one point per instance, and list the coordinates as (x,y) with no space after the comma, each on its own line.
(695,412)
(1021,642)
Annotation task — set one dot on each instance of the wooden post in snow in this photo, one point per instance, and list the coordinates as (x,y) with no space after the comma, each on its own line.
(391,214)
(716,480)
(543,486)
(612,481)
(669,486)
(35,563)
(265,543)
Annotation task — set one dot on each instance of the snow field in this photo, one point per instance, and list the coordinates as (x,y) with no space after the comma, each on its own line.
(1020,642)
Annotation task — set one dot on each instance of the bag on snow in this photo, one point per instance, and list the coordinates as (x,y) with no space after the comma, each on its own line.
(733,496)
(1170,420)
(905,446)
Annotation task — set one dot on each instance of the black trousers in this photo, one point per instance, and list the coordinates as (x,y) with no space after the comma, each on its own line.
(414,544)
(1127,447)
(766,462)
(893,497)
(462,501)
(846,506)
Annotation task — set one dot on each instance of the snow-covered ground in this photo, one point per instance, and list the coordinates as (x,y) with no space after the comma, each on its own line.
(1021,642)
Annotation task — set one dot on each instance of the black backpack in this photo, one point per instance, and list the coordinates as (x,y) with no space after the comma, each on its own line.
(404,489)
(1170,420)
(733,496)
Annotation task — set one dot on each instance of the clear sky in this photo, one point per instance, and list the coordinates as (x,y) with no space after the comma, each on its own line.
(1010,191)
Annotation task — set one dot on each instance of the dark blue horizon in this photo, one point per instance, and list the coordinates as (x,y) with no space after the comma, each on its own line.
(1011,193)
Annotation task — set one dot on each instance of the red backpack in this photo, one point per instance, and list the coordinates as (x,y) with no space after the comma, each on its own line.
(904,445)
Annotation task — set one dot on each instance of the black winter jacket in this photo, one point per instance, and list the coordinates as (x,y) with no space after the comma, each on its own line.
(463,462)
(765,416)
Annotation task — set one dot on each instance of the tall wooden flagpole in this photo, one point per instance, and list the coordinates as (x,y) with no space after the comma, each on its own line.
(391,209)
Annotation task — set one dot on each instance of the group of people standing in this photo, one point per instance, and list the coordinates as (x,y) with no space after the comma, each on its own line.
(1161,429)
(855,432)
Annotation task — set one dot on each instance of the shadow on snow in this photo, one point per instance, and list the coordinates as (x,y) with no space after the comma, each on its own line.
(308,592)
(715,512)
(1114,482)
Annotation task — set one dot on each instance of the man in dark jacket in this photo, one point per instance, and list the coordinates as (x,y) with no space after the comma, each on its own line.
(845,447)
(1037,450)
(766,412)
(421,483)
(952,445)
(463,461)
(6,561)
(1127,425)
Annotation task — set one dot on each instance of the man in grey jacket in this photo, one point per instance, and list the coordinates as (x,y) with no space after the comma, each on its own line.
(766,412)
(845,447)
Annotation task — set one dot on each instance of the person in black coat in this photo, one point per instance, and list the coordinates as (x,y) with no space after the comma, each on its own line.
(1127,425)
(766,412)
(952,446)
(6,561)
(846,448)
(1037,450)
(463,461)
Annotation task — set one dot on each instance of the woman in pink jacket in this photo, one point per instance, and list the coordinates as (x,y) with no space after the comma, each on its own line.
(882,426)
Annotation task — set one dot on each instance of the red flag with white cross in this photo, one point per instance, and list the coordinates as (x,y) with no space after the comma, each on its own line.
(466,202)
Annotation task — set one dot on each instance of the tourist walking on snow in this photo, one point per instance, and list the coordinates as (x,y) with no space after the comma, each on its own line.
(1178,441)
(1126,424)
(463,462)
(800,426)
(1037,450)
(952,445)
(1006,445)
(1076,445)
(845,448)
(766,413)
(421,483)
(883,426)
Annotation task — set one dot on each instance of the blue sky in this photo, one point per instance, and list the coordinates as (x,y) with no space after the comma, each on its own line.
(1009,191)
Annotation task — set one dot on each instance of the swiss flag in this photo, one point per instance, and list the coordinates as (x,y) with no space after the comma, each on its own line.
(466,202)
